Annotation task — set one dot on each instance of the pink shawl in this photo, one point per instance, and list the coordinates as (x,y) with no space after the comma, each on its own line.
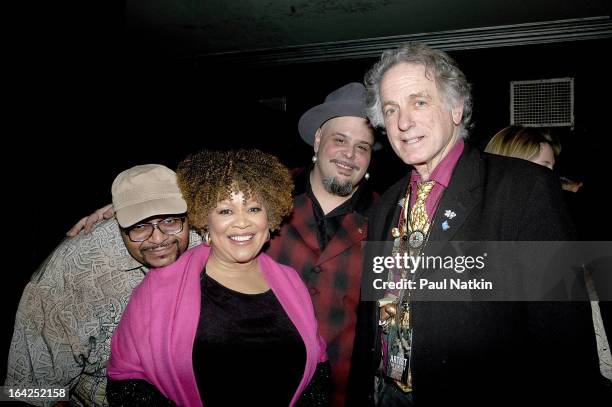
(154,340)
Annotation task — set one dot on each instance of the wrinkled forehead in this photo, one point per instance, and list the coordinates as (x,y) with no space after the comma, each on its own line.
(411,80)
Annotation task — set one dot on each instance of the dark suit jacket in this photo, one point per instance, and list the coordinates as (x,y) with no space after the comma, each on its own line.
(487,353)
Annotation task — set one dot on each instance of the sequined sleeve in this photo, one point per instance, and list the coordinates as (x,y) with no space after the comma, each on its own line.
(135,393)
(316,394)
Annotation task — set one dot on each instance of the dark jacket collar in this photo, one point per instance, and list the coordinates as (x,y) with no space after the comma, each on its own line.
(460,197)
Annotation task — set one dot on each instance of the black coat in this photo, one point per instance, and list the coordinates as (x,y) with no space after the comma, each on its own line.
(487,353)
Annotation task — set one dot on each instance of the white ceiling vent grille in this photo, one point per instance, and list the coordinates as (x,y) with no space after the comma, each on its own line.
(542,103)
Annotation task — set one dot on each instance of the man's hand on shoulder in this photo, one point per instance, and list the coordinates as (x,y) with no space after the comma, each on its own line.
(87,223)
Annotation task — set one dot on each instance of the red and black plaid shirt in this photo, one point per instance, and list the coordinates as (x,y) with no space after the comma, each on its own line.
(332,275)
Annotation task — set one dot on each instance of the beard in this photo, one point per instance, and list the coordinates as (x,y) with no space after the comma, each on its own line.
(333,186)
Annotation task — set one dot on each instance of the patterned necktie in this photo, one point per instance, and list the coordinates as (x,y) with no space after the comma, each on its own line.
(418,214)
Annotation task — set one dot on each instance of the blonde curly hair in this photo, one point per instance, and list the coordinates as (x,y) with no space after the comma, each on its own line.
(208,177)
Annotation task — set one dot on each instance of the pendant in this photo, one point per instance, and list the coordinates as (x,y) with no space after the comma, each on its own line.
(391,309)
(416,239)
(395,232)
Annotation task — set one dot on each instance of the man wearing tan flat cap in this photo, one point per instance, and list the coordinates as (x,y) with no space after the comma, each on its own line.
(73,302)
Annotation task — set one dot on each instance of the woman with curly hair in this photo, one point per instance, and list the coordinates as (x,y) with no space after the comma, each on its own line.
(225,324)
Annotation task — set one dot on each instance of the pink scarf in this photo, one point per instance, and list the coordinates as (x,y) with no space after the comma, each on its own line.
(154,340)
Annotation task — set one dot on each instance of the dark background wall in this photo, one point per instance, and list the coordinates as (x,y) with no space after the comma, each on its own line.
(86,110)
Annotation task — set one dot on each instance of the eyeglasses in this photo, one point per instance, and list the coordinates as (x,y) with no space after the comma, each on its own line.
(142,231)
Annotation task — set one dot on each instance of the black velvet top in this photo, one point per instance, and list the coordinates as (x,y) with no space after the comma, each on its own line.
(246,350)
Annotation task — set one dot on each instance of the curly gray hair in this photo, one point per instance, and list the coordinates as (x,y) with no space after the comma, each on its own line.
(449,79)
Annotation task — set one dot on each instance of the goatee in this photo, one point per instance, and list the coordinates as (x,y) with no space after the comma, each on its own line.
(333,186)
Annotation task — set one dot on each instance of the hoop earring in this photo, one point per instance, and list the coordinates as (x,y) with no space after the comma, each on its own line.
(206,238)
(314,159)
(367,176)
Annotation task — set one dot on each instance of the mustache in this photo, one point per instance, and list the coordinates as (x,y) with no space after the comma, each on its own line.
(158,246)
(348,164)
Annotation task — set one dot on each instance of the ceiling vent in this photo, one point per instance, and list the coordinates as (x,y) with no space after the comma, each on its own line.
(542,103)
